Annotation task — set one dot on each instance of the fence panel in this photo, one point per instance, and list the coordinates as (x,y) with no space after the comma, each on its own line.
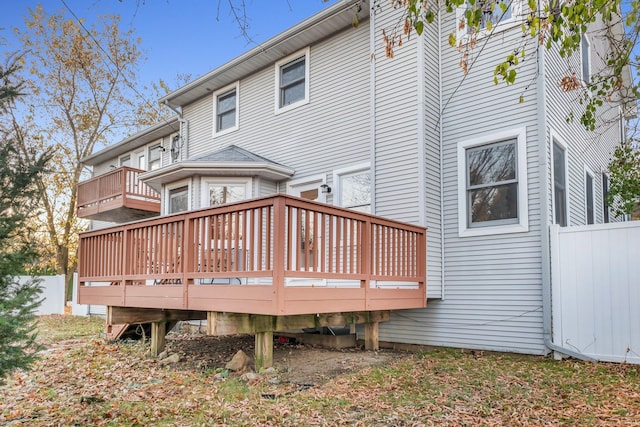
(595,273)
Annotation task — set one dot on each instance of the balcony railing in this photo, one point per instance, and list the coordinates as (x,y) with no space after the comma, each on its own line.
(117,196)
(276,255)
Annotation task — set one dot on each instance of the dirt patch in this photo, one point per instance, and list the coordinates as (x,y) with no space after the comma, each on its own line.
(295,363)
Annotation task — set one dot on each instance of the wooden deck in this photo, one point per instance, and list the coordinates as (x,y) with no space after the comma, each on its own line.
(277,255)
(117,196)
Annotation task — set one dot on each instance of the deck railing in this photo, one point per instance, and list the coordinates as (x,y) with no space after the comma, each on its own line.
(122,183)
(269,252)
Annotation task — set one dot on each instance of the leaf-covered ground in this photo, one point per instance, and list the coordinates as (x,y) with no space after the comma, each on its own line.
(82,380)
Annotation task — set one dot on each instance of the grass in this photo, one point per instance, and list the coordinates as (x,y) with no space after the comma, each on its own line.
(82,380)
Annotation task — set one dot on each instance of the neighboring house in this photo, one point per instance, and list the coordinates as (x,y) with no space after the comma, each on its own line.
(319,112)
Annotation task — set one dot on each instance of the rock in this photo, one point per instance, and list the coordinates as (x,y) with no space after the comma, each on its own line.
(174,358)
(163,355)
(270,371)
(239,362)
(251,377)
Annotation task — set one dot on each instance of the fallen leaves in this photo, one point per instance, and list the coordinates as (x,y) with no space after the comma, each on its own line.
(93,382)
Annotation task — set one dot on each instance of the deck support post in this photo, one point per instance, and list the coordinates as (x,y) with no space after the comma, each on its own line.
(158,333)
(371,332)
(264,350)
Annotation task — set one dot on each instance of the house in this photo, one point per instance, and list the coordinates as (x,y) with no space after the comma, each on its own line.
(318,112)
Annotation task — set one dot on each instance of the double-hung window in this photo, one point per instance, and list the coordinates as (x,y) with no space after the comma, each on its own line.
(559,184)
(492,13)
(225,109)
(154,156)
(178,199)
(292,81)
(493,184)
(589,197)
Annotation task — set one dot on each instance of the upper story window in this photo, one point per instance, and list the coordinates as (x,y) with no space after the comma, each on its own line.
(125,160)
(492,13)
(354,187)
(292,81)
(585,58)
(155,156)
(559,184)
(493,184)
(225,109)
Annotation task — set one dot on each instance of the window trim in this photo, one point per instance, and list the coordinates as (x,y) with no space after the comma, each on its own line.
(589,173)
(555,138)
(462,34)
(349,170)
(522,224)
(278,67)
(123,158)
(173,186)
(220,92)
(206,180)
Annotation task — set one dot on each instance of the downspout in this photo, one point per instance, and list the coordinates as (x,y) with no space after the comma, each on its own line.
(183,128)
(420,62)
(543,160)
(441,167)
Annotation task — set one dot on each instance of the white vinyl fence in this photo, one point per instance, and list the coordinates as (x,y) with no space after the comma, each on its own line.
(595,276)
(52,294)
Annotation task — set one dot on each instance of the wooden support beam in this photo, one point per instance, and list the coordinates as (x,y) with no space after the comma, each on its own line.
(264,350)
(158,333)
(371,334)
(219,323)
(118,315)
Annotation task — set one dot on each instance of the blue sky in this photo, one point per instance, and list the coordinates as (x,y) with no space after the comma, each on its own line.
(177,36)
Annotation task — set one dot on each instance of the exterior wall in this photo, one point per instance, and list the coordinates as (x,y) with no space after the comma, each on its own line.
(493,292)
(585,149)
(330,132)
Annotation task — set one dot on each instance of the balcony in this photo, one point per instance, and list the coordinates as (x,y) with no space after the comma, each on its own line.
(277,256)
(117,196)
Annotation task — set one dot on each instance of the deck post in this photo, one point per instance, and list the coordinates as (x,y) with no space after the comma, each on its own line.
(264,350)
(371,331)
(158,332)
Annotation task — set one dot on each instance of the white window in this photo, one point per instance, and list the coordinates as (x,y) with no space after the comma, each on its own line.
(216,192)
(492,184)
(605,198)
(589,199)
(292,81)
(585,58)
(155,152)
(125,160)
(225,109)
(354,188)
(142,164)
(178,197)
(559,177)
(493,13)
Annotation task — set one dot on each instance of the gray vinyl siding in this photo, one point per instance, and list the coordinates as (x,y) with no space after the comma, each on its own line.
(432,178)
(584,148)
(396,126)
(492,292)
(330,132)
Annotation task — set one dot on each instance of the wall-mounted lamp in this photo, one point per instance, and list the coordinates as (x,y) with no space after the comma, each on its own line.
(112,166)
(325,189)
(162,149)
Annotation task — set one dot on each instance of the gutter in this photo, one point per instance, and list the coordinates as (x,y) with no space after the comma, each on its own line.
(543,161)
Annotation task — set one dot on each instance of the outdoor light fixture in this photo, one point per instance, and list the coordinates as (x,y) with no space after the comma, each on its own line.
(325,189)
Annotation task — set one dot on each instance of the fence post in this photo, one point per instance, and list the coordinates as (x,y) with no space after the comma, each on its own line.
(279,248)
